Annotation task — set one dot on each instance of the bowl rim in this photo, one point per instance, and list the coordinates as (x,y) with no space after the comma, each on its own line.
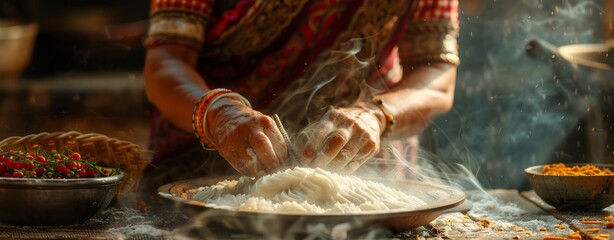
(64,182)
(18,29)
(534,170)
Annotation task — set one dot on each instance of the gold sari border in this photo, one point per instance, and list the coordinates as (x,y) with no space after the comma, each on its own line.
(433,40)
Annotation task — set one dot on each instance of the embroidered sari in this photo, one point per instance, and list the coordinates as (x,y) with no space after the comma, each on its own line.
(278,53)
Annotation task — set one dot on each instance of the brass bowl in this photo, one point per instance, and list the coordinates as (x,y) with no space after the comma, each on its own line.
(17,41)
(52,202)
(573,193)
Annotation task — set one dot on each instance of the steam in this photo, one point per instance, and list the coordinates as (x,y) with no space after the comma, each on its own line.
(324,85)
(215,224)
(327,84)
(512,112)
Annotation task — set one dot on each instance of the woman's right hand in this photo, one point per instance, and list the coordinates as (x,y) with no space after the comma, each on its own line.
(248,139)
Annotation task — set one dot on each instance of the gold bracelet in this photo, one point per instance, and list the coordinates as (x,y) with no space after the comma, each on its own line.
(213,99)
(387,115)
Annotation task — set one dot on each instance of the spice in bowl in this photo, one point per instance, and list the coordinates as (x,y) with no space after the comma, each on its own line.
(585,170)
(573,187)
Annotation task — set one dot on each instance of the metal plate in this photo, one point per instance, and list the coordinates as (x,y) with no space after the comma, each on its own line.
(396,220)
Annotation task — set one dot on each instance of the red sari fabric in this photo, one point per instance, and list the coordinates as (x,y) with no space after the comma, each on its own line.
(260,48)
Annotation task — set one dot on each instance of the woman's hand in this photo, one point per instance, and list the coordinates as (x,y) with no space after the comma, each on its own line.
(343,139)
(249,140)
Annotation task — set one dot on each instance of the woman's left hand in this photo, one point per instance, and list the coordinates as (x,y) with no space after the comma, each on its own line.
(343,139)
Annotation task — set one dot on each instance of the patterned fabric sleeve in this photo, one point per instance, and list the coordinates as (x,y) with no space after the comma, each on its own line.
(178,22)
(430,35)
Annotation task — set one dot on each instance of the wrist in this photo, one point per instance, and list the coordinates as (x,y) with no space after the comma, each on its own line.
(208,104)
(374,111)
(384,116)
(220,108)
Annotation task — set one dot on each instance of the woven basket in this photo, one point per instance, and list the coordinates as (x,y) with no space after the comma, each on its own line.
(105,151)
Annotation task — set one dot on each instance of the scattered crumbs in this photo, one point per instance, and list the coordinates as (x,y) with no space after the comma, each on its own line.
(602,236)
(495,217)
(553,238)
(485,222)
(589,221)
(559,226)
(500,217)
(455,223)
(592,230)
(575,235)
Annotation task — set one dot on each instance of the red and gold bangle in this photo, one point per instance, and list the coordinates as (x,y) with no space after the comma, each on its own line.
(198,116)
(243,100)
(389,117)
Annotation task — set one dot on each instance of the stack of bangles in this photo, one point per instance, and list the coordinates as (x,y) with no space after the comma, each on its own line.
(389,117)
(199,115)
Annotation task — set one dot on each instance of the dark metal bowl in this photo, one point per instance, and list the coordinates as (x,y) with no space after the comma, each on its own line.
(36,202)
(573,193)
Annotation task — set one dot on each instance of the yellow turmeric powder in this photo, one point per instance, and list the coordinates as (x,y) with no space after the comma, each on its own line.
(585,170)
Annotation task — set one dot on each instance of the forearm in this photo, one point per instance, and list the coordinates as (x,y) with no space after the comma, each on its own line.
(172,83)
(424,93)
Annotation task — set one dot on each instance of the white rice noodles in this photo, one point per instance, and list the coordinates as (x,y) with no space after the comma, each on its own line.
(306,190)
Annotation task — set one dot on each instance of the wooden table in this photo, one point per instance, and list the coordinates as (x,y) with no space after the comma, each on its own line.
(519,215)
(500,214)
(127,219)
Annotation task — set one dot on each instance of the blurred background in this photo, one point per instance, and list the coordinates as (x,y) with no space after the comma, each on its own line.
(73,65)
(77,65)
(513,111)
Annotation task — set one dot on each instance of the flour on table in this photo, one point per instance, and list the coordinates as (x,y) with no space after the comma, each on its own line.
(306,190)
(133,231)
(490,216)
